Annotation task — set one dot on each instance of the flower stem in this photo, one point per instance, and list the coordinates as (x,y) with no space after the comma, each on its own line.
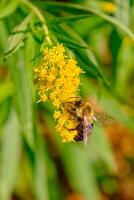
(35,10)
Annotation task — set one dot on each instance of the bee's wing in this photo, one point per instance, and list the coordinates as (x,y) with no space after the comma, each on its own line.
(87,128)
(103,118)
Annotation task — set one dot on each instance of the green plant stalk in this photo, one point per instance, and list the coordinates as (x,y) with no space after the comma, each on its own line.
(35,10)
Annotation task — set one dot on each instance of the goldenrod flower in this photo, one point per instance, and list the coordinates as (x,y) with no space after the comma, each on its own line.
(109,7)
(58,79)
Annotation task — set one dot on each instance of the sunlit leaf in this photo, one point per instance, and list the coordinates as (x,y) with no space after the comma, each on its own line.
(3,35)
(116,110)
(6,90)
(4,111)
(30,51)
(23,97)
(103,150)
(76,164)
(8,7)
(40,174)
(10,156)
(17,40)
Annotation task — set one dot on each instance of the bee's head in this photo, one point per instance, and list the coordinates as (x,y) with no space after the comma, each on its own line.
(87,110)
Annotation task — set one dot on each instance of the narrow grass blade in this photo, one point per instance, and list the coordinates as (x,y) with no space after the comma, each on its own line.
(40,174)
(10,156)
(80,173)
(23,96)
(6,90)
(100,145)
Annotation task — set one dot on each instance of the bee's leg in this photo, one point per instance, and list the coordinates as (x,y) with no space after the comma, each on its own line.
(79,127)
(72,129)
(69,105)
(71,109)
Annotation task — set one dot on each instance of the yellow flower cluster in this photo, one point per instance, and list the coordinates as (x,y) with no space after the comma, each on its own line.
(58,79)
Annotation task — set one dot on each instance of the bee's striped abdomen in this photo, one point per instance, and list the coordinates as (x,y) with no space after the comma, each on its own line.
(79,136)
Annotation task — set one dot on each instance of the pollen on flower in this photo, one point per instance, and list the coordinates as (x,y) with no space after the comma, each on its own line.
(58,79)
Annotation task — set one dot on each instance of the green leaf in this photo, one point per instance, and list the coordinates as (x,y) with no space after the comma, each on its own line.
(115,49)
(3,35)
(116,109)
(85,57)
(80,173)
(73,8)
(8,7)
(4,111)
(10,156)
(100,145)
(29,53)
(40,175)
(22,96)
(6,90)
(68,7)
(59,20)
(16,41)
(70,42)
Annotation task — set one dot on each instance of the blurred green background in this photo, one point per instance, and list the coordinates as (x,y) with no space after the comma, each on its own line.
(34,163)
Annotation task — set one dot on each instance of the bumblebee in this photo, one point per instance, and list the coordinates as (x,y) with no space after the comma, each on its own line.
(85,116)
